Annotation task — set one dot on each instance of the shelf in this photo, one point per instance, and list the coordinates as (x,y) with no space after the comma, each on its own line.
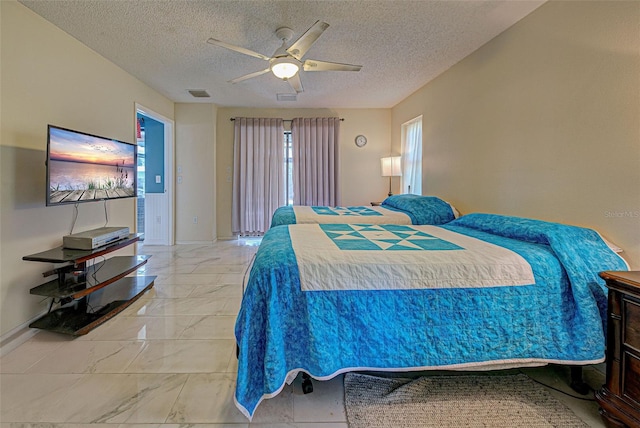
(88,294)
(66,255)
(103,304)
(97,276)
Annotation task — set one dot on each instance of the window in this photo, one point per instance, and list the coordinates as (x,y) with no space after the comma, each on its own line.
(288,169)
(412,156)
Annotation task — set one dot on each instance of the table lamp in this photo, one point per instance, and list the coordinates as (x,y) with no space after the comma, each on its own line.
(391,167)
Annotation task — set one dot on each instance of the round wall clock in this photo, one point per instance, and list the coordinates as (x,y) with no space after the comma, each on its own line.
(361,140)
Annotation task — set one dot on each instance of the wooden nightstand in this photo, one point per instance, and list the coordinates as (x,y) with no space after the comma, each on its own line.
(619,397)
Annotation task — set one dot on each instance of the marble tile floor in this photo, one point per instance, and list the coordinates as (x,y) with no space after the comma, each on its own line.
(169,360)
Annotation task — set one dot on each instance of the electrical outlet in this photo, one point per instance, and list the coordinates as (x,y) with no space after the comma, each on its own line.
(195,220)
(158,219)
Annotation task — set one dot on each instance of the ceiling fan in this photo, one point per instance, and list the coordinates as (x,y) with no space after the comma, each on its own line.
(287,61)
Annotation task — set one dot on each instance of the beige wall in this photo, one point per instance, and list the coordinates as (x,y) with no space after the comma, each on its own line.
(49,77)
(542,122)
(361,181)
(195,172)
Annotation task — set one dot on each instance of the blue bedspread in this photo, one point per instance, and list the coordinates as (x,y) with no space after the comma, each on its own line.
(283,216)
(420,209)
(281,330)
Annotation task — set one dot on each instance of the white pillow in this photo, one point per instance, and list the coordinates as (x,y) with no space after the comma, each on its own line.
(456,214)
(611,245)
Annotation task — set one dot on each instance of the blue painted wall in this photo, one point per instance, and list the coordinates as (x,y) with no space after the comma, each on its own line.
(154,153)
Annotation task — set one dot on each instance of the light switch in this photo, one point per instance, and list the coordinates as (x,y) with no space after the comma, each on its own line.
(158,179)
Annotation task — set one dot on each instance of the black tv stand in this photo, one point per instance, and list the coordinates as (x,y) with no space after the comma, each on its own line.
(89,295)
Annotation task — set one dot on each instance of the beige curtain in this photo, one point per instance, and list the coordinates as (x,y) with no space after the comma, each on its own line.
(315,161)
(258,174)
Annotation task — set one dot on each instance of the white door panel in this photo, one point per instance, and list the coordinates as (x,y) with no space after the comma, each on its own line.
(156,221)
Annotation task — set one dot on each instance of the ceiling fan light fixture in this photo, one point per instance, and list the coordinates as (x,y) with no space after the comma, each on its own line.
(287,61)
(284,68)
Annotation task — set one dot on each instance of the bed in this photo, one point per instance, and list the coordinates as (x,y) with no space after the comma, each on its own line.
(325,299)
(396,209)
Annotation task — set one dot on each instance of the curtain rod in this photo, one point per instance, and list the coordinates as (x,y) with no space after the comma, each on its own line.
(284,120)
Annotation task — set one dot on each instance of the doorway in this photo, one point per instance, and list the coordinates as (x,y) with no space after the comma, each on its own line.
(154,207)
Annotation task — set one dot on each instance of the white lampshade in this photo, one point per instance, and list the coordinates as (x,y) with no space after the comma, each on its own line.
(284,68)
(391,166)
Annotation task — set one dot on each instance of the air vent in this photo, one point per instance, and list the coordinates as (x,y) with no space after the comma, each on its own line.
(199,93)
(287,97)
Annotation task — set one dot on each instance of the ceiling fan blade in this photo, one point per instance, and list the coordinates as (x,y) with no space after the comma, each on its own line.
(296,83)
(250,75)
(302,45)
(313,65)
(238,49)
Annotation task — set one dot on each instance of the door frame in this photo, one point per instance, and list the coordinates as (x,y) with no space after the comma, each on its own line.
(169,163)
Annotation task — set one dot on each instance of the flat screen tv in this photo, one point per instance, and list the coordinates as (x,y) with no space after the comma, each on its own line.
(85,168)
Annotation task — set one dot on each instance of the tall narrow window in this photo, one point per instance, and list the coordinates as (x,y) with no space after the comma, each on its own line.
(412,156)
(288,169)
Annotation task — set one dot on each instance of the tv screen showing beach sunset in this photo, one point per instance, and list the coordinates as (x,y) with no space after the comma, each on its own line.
(83,167)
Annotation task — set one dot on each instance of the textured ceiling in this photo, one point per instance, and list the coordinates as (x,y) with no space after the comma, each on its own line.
(400,44)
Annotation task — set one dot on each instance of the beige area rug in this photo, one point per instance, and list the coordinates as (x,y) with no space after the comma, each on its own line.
(453,401)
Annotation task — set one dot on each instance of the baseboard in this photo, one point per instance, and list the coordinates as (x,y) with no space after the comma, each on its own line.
(16,337)
(196,242)
(227,238)
(238,238)
(154,242)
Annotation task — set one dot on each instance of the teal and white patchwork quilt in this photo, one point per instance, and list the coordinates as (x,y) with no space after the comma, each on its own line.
(345,211)
(397,209)
(364,297)
(400,257)
(341,215)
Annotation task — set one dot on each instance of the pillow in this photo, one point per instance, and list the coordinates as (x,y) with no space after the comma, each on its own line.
(610,244)
(422,209)
(456,214)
